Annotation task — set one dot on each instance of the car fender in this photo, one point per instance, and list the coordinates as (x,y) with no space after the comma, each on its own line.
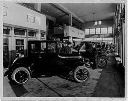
(19,62)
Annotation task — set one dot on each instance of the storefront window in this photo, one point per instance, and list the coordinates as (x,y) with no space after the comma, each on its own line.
(97,30)
(6,30)
(109,29)
(87,31)
(92,31)
(103,30)
(18,31)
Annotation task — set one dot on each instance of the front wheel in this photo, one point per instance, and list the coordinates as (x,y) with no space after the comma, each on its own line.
(81,74)
(20,75)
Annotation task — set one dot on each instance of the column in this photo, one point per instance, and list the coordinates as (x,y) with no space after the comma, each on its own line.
(70,24)
(12,49)
(70,19)
(37,6)
(38,35)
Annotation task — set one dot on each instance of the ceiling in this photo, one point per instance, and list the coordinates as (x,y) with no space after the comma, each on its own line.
(91,11)
(82,12)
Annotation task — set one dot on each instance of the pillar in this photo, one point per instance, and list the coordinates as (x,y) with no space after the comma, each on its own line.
(70,19)
(37,6)
(70,24)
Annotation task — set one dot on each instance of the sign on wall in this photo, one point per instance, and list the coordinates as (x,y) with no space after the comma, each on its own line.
(74,32)
(33,19)
(30,18)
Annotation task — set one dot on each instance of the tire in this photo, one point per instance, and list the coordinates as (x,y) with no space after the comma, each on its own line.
(81,76)
(102,62)
(19,76)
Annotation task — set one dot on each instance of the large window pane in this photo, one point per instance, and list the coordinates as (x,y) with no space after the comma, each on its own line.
(6,30)
(103,30)
(32,33)
(20,46)
(19,31)
(19,42)
(5,41)
(86,31)
(97,30)
(92,31)
(109,29)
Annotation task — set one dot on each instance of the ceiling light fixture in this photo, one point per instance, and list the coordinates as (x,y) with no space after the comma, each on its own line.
(99,22)
(96,22)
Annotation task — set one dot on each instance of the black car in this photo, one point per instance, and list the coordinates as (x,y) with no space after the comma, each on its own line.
(46,58)
(93,56)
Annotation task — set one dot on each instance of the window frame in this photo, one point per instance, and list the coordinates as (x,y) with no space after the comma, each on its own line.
(19,45)
(20,34)
(94,31)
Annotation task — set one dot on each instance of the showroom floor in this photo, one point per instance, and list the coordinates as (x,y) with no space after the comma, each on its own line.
(52,87)
(102,83)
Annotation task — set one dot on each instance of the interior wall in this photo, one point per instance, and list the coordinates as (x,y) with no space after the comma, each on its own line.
(16,14)
(104,23)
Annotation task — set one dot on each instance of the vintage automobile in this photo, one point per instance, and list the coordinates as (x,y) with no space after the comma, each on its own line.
(45,58)
(93,56)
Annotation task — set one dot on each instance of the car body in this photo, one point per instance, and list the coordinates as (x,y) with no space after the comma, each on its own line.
(46,58)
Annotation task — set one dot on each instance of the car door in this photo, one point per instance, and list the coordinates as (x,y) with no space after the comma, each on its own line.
(51,55)
(42,57)
(36,52)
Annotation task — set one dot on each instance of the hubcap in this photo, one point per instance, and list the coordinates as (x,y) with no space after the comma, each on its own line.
(21,76)
(82,74)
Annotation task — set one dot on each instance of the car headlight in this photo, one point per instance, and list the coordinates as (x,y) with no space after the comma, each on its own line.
(83,59)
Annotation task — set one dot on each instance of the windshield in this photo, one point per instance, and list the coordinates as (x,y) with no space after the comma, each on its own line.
(79,46)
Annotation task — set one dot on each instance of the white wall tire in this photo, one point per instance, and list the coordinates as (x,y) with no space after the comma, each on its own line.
(20,75)
(81,74)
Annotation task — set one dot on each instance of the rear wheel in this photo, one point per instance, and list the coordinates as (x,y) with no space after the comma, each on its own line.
(20,75)
(81,74)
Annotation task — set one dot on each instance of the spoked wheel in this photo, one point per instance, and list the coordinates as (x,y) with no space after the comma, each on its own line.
(20,75)
(102,61)
(81,74)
